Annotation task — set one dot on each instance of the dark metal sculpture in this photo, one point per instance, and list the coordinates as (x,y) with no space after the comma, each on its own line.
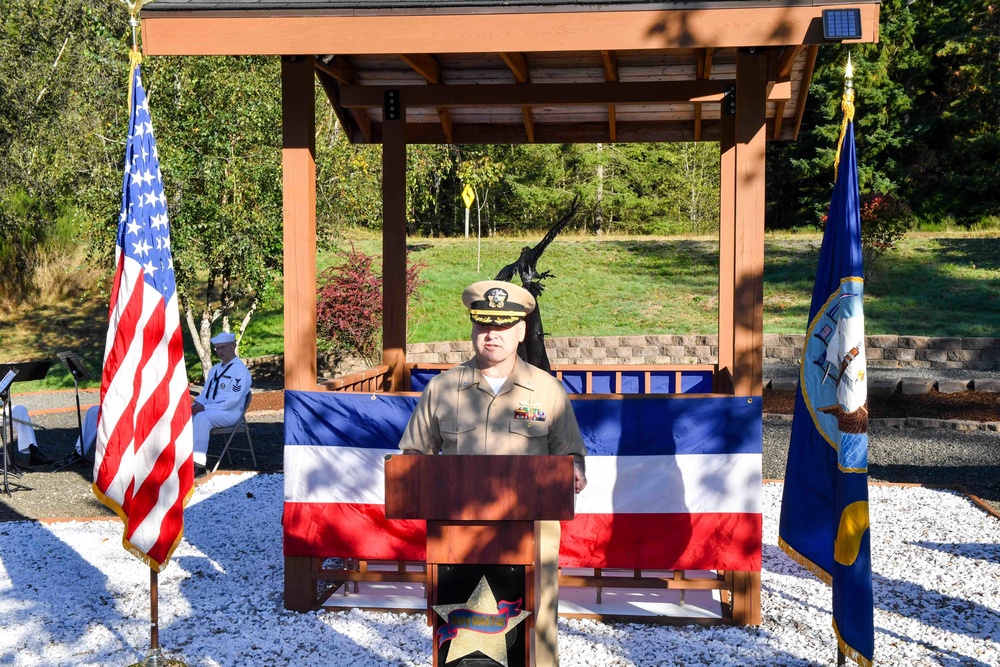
(532,349)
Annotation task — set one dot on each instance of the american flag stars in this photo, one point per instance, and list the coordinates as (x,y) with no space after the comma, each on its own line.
(145,235)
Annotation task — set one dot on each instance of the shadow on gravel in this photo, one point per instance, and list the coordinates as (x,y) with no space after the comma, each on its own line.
(43,492)
(981,481)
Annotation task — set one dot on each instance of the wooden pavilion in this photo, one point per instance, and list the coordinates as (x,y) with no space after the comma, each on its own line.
(736,72)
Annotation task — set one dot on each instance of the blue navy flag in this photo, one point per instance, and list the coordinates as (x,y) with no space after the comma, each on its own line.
(824,511)
(143,461)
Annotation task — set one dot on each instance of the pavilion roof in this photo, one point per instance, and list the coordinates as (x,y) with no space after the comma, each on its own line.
(522,71)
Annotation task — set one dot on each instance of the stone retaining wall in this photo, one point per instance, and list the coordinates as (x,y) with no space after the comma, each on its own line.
(970,354)
(973,354)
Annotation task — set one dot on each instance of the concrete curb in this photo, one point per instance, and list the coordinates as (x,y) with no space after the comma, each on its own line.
(915,422)
(910,386)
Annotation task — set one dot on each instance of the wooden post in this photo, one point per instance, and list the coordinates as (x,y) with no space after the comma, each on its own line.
(748,265)
(727,240)
(394,246)
(298,168)
(300,585)
(747,277)
(746,598)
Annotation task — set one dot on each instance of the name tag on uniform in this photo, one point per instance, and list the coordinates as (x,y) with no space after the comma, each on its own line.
(530,412)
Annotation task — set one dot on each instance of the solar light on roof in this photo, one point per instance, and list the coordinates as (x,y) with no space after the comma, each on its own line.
(841,24)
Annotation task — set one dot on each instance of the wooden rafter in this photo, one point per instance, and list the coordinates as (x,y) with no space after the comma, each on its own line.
(425,65)
(536,94)
(610,59)
(804,90)
(428,67)
(331,76)
(704,72)
(518,64)
(787,60)
(529,124)
(779,113)
(705,63)
(446,125)
(339,67)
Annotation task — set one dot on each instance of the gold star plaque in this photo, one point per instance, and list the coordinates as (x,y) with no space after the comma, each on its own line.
(480,624)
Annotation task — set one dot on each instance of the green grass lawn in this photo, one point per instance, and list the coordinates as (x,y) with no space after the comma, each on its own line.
(934,285)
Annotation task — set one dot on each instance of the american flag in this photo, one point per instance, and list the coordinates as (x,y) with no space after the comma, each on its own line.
(143,467)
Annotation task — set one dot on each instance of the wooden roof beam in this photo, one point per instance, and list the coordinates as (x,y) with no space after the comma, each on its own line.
(804,90)
(704,72)
(779,90)
(428,67)
(446,125)
(529,124)
(610,59)
(518,64)
(705,63)
(779,113)
(548,133)
(222,32)
(538,94)
(424,65)
(339,67)
(787,60)
(329,77)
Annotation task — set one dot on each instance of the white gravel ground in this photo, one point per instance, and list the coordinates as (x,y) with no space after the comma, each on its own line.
(70,595)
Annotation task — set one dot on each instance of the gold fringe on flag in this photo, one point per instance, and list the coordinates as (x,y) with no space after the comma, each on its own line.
(819,572)
(854,655)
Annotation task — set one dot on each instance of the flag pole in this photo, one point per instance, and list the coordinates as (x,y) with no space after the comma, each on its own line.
(847,106)
(154,658)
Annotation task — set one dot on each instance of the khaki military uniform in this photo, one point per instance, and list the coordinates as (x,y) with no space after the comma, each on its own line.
(530,414)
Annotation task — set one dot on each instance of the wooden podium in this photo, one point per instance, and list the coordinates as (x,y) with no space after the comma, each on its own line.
(480,511)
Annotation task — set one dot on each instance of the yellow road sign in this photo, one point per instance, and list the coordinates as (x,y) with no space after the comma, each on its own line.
(468,196)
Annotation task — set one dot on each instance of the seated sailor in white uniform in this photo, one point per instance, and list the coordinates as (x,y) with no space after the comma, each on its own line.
(221,401)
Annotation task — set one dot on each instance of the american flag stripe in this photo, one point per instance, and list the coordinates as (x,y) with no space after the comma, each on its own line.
(143,460)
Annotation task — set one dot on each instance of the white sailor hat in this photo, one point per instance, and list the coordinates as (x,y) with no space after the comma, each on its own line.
(223,338)
(497,302)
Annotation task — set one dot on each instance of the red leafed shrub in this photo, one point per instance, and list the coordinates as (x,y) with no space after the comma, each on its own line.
(349,304)
(884,222)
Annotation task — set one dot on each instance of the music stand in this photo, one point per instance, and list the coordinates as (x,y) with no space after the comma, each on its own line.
(79,372)
(25,371)
(4,401)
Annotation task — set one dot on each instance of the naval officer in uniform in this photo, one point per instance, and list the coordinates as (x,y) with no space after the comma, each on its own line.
(495,403)
(221,400)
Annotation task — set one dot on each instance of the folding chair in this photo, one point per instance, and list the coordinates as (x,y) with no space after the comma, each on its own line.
(240,426)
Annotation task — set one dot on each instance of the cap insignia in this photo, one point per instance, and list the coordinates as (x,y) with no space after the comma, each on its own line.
(496,297)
